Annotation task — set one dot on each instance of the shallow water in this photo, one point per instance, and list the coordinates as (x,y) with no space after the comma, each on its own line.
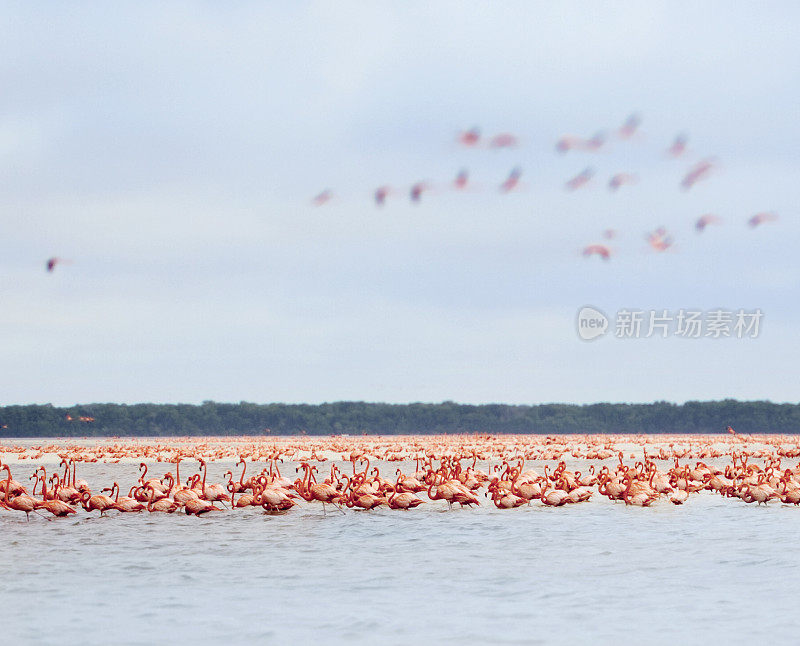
(594,572)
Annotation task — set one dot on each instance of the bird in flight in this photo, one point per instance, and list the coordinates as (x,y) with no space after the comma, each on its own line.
(570,142)
(595,143)
(416,191)
(380,195)
(580,179)
(470,137)
(460,182)
(698,171)
(659,240)
(52,262)
(597,250)
(628,129)
(503,140)
(322,198)
(704,220)
(512,180)
(621,179)
(761,218)
(678,146)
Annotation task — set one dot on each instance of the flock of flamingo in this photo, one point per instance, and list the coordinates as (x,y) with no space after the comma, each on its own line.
(659,240)
(464,470)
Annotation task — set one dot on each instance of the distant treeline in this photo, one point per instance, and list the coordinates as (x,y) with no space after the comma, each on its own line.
(356,418)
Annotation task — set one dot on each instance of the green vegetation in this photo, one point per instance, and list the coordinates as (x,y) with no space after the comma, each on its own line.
(356,418)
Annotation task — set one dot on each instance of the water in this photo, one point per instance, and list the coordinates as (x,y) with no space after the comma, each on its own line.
(596,572)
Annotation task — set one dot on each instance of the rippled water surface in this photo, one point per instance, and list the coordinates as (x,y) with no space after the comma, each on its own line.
(596,572)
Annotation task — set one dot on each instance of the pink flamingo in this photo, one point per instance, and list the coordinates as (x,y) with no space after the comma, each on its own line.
(761,218)
(597,250)
(704,220)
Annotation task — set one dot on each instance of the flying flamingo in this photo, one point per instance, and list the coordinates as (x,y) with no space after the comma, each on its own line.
(659,240)
(470,137)
(761,218)
(595,143)
(597,249)
(704,220)
(628,129)
(678,146)
(699,171)
(569,142)
(512,180)
(52,262)
(503,140)
(580,179)
(621,179)
(322,198)
(381,194)
(416,191)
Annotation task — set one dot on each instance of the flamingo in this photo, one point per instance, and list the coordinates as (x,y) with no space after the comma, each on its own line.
(569,142)
(99,502)
(679,497)
(511,181)
(126,504)
(213,492)
(678,146)
(324,493)
(22,502)
(704,220)
(761,218)
(628,129)
(381,193)
(581,179)
(272,499)
(164,505)
(198,507)
(52,262)
(620,179)
(67,493)
(505,499)
(470,137)
(503,140)
(322,198)
(699,171)
(416,191)
(659,240)
(597,249)
(402,499)
(595,143)
(555,498)
(53,504)
(460,182)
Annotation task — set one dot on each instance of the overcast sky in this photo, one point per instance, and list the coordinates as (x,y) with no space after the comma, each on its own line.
(171,152)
